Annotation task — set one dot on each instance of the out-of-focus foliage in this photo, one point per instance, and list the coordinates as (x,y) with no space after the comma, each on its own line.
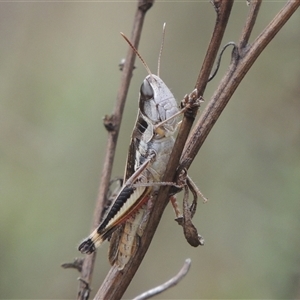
(58,78)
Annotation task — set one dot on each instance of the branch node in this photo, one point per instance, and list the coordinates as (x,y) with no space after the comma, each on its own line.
(109,123)
(84,293)
(76,264)
(216,5)
(144,5)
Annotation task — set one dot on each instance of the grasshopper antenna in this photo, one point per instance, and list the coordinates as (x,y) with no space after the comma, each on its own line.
(137,53)
(161,49)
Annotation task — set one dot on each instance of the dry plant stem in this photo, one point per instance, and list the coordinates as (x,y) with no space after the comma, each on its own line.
(242,60)
(142,8)
(253,12)
(173,281)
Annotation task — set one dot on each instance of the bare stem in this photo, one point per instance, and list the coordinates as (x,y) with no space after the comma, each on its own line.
(245,36)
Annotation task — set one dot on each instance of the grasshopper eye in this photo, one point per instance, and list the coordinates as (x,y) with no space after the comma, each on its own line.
(146,90)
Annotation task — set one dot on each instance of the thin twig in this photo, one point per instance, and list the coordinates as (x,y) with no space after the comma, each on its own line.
(115,119)
(246,32)
(173,281)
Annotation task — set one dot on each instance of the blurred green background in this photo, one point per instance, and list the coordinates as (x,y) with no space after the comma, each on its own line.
(59,76)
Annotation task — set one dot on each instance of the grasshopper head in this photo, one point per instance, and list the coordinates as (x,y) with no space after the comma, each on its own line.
(157,102)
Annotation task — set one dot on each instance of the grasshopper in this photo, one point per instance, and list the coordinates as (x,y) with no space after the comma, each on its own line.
(152,141)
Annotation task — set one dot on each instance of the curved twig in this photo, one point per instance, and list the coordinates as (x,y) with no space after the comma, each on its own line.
(168,284)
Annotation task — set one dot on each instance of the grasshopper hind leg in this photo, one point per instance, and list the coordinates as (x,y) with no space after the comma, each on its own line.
(125,241)
(114,244)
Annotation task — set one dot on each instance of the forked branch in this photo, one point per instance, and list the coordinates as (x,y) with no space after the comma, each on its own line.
(242,60)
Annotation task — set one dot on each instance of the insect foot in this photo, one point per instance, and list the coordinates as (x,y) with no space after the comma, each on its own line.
(191,103)
(87,246)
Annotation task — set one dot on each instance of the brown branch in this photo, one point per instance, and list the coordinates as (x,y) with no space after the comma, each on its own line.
(253,12)
(115,121)
(173,281)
